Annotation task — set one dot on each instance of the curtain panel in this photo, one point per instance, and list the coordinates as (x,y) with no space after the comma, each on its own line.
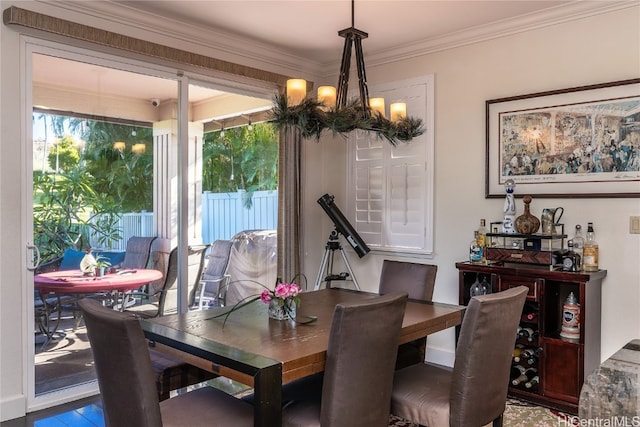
(289,203)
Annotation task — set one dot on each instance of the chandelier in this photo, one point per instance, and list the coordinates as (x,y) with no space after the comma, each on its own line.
(331,110)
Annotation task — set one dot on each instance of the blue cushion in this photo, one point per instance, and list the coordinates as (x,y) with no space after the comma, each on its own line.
(71,259)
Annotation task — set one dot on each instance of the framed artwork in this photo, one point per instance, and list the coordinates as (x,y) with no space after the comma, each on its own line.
(576,142)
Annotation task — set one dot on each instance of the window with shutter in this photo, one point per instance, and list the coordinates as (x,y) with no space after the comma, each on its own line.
(390,189)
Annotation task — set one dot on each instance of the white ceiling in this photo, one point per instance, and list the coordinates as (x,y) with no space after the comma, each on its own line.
(309,28)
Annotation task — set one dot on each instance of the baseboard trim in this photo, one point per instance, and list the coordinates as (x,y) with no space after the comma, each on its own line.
(13,407)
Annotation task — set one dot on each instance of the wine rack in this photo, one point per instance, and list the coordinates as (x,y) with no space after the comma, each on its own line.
(547,369)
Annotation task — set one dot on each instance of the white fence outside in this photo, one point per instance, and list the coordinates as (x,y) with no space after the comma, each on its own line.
(223,215)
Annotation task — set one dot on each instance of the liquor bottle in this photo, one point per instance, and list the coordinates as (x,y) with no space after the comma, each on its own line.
(478,288)
(533,381)
(475,250)
(578,244)
(486,286)
(570,259)
(590,251)
(528,375)
(482,239)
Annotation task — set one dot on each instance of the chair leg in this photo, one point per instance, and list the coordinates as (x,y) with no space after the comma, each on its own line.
(498,421)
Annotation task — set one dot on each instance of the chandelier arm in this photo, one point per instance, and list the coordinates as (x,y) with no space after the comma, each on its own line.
(362,78)
(343,81)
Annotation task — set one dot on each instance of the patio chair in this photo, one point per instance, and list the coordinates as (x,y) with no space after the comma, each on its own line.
(212,292)
(126,380)
(137,252)
(167,296)
(355,389)
(418,280)
(475,392)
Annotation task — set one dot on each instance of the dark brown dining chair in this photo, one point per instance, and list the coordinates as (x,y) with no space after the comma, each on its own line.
(126,381)
(475,392)
(362,341)
(417,280)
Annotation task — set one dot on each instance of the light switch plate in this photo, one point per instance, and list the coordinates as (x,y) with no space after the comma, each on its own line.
(634,225)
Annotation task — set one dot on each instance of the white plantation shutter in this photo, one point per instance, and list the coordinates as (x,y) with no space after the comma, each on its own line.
(390,194)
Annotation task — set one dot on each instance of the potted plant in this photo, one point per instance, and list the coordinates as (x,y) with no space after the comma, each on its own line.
(102,263)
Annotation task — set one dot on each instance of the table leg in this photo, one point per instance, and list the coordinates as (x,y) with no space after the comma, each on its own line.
(268,397)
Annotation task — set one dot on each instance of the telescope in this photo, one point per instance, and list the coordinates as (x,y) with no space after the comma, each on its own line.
(343,226)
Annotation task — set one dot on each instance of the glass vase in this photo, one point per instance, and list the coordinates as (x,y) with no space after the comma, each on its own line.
(286,311)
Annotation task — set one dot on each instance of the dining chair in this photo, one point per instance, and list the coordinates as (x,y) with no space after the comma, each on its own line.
(417,280)
(355,389)
(212,287)
(125,378)
(474,393)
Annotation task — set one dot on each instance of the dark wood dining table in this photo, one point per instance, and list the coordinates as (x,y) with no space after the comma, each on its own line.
(265,353)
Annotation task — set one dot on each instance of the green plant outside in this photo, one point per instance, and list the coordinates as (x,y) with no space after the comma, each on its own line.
(98,178)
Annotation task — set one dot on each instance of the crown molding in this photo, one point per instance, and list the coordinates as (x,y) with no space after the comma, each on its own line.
(119,17)
(554,16)
(250,52)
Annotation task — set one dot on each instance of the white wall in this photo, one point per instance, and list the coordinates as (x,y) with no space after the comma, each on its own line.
(593,50)
(589,51)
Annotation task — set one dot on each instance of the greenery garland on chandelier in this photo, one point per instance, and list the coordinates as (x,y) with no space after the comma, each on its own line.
(312,117)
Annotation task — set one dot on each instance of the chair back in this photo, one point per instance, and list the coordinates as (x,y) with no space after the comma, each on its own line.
(360,363)
(195,262)
(213,276)
(417,280)
(123,366)
(159,260)
(483,357)
(137,252)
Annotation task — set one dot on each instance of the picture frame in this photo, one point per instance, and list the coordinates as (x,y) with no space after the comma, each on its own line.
(576,142)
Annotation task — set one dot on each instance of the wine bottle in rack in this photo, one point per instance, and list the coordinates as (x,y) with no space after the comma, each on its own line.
(533,381)
(517,351)
(526,332)
(516,371)
(530,313)
(531,355)
(526,376)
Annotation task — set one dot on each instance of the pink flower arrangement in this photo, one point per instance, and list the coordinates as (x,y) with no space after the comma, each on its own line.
(283,291)
(285,294)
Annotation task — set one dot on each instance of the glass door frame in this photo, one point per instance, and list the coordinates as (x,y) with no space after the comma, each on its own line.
(31,46)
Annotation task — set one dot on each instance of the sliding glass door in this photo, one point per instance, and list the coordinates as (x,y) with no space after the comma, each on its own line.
(119,148)
(93,186)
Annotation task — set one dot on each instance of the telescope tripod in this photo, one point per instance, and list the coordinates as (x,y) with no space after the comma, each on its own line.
(333,245)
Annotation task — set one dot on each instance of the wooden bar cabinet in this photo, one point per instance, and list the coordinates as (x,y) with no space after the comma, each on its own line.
(561,364)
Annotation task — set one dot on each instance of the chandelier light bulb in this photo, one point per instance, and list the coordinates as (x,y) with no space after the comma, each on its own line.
(327,95)
(398,111)
(296,91)
(377,105)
